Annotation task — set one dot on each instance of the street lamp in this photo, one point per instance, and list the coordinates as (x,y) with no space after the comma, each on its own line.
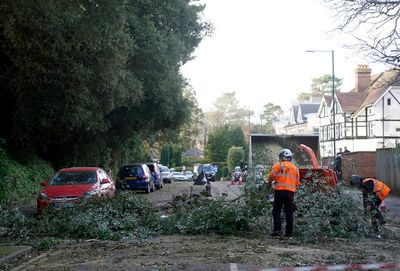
(333,93)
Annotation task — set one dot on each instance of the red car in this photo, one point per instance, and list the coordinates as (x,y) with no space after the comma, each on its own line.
(70,185)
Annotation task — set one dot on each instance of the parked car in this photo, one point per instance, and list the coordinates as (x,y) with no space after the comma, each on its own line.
(178,176)
(155,171)
(166,174)
(70,185)
(135,177)
(208,171)
(189,176)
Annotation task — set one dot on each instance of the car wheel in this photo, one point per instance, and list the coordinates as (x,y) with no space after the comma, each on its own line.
(148,189)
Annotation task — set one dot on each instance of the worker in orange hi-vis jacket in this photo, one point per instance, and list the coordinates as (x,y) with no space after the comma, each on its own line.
(284,179)
(374,192)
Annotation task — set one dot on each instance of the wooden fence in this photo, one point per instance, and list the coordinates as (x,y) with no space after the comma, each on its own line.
(388,167)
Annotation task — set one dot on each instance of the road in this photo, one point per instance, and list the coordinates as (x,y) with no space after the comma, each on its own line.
(208,252)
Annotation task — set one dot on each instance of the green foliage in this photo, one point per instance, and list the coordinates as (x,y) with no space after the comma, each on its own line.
(101,219)
(80,80)
(320,86)
(220,141)
(166,155)
(224,172)
(271,116)
(329,212)
(192,161)
(126,214)
(235,157)
(45,243)
(19,182)
(171,155)
(323,84)
(227,112)
(321,214)
(199,216)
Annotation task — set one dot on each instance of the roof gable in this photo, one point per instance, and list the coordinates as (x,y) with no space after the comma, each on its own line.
(378,87)
(293,114)
(350,101)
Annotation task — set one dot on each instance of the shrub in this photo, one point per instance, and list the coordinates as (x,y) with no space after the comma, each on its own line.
(19,182)
(225,171)
(235,156)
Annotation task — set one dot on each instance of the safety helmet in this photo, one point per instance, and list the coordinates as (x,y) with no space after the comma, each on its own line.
(355,180)
(285,155)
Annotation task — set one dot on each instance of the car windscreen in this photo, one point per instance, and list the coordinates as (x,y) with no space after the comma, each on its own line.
(130,171)
(73,177)
(151,167)
(206,169)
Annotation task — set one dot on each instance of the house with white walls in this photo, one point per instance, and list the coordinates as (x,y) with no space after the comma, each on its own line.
(303,119)
(365,118)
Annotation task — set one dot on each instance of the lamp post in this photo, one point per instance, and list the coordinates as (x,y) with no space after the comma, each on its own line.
(333,93)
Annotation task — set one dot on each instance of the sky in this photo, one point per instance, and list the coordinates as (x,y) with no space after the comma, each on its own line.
(258,50)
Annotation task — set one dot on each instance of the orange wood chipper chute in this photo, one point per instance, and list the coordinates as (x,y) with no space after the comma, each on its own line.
(316,172)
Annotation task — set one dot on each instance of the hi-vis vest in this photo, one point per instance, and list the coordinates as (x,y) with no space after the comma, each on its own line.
(286,176)
(381,189)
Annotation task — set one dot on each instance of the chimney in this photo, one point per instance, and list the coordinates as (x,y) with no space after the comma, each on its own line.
(363,77)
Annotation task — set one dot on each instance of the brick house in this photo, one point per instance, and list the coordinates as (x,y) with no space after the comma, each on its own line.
(366,118)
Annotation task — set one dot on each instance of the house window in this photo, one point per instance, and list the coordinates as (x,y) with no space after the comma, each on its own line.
(371,129)
(389,101)
(397,129)
(341,131)
(369,111)
(315,130)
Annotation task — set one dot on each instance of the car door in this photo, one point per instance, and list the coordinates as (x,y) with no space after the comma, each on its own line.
(107,188)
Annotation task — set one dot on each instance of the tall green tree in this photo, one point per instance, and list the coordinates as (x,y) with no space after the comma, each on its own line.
(320,86)
(81,79)
(235,157)
(227,111)
(221,140)
(270,116)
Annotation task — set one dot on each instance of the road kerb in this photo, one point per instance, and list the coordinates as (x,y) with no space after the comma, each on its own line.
(9,252)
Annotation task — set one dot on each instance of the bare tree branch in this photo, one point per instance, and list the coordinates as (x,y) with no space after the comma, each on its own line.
(374,24)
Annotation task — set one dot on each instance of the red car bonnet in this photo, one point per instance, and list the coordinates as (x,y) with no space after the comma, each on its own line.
(68,190)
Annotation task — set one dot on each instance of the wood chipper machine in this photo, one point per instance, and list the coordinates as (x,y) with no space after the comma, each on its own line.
(316,173)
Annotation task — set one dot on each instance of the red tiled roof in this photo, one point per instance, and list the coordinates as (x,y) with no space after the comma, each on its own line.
(349,101)
(378,87)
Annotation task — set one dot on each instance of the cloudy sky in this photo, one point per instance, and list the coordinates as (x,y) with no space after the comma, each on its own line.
(258,51)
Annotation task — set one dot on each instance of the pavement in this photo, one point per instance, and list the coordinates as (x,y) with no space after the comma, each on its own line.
(9,252)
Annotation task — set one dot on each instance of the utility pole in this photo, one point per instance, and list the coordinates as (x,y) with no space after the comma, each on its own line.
(333,110)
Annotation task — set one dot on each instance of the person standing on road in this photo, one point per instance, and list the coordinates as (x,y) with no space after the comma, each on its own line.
(374,192)
(337,166)
(284,179)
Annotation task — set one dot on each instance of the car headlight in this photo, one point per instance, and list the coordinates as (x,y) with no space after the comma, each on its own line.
(43,196)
